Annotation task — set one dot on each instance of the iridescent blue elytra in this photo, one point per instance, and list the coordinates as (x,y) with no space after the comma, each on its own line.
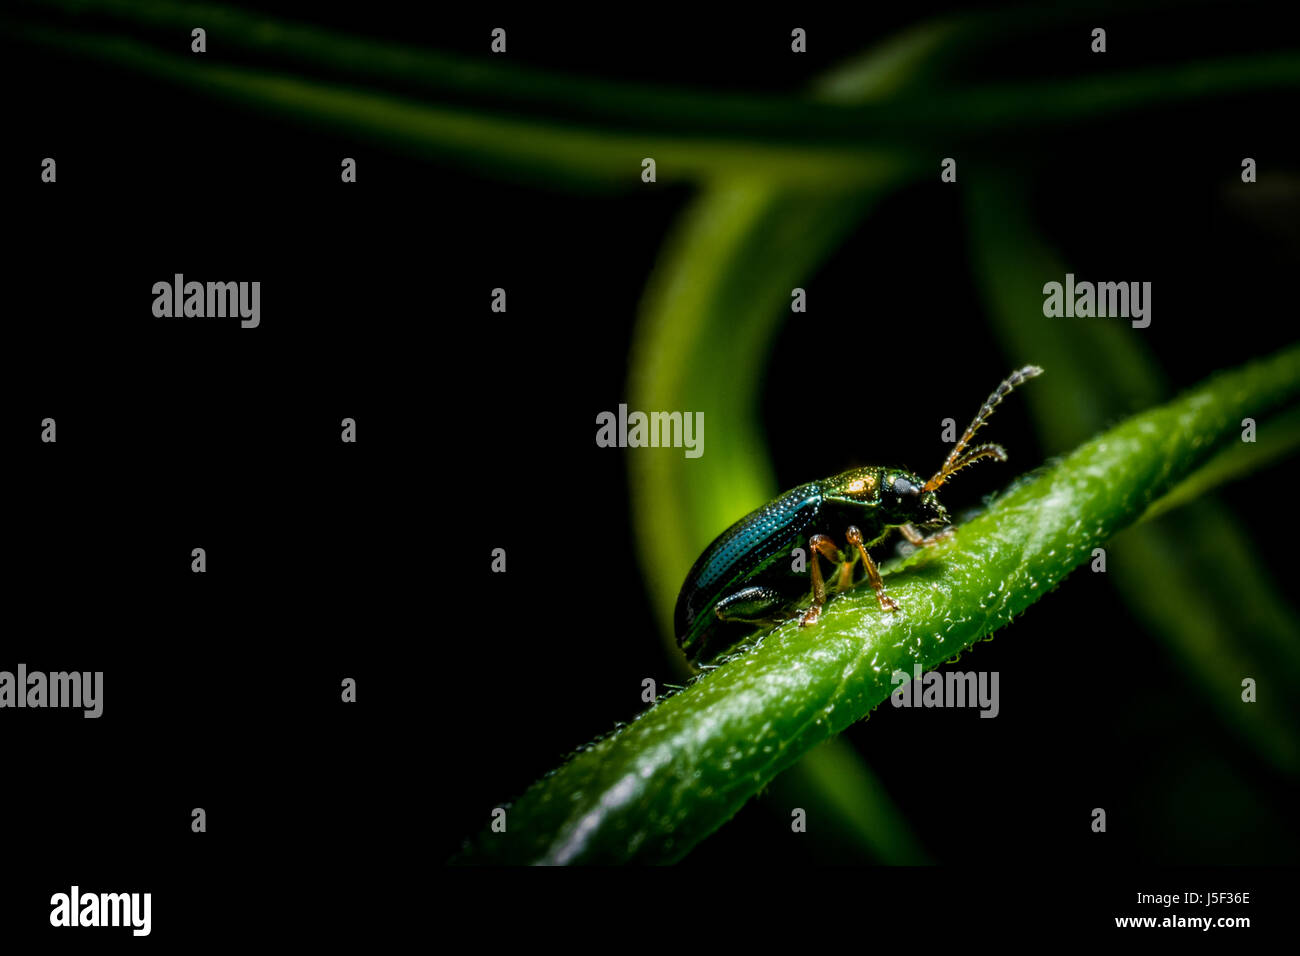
(760,569)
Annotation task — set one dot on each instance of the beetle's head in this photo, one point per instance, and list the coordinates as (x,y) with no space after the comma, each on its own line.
(897,496)
(903,501)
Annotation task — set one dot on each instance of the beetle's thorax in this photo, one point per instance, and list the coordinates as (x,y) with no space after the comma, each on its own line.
(882,495)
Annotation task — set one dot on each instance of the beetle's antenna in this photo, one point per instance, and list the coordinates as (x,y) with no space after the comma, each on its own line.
(978,453)
(975,454)
(956,461)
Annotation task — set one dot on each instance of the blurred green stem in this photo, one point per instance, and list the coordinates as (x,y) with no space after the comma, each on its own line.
(576,131)
(1217,612)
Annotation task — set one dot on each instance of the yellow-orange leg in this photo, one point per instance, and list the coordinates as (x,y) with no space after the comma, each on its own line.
(914,537)
(819,544)
(873,573)
(846,575)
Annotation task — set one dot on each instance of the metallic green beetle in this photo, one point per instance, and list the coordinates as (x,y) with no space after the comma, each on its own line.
(748,576)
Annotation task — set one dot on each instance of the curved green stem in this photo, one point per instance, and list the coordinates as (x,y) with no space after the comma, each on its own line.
(659,785)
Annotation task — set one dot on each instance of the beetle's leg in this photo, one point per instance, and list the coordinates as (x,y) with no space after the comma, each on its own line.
(873,573)
(914,537)
(846,573)
(753,605)
(818,544)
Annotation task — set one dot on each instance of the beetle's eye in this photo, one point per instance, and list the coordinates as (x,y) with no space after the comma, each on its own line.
(904,487)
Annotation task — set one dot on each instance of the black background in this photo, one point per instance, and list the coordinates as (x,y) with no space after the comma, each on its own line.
(371,560)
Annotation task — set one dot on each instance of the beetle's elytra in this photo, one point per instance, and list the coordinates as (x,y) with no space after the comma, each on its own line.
(747,576)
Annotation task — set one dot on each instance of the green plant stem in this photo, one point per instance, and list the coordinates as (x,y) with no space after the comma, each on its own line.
(662,783)
(1193,580)
(565,130)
